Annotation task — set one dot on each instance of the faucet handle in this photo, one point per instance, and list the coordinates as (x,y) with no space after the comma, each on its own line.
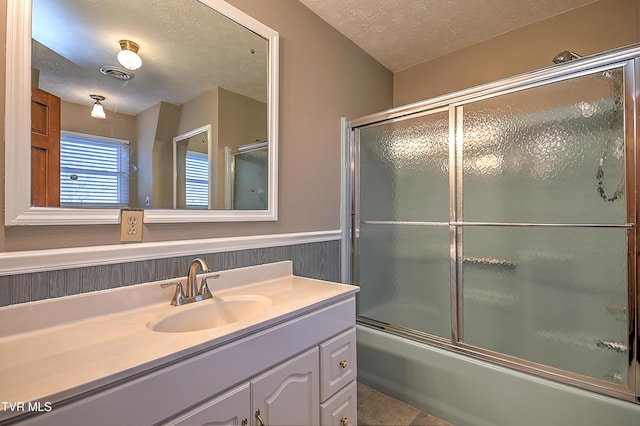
(178,296)
(204,287)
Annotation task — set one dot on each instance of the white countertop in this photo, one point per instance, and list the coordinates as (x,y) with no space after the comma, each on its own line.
(55,349)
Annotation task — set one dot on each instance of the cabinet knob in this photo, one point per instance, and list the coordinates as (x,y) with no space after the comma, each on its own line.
(344,421)
(343,363)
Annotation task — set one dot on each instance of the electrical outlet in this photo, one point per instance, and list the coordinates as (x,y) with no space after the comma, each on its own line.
(131,225)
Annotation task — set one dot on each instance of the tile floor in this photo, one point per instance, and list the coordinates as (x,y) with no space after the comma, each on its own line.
(376,408)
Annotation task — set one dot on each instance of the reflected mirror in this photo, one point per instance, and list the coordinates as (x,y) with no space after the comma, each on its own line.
(193,186)
(206,74)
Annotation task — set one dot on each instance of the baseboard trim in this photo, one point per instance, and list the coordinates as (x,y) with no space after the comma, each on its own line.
(22,262)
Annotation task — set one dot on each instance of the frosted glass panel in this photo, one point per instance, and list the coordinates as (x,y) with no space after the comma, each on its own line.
(404,168)
(251,180)
(550,154)
(404,275)
(553,296)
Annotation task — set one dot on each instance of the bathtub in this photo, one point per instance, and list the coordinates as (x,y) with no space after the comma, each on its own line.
(469,392)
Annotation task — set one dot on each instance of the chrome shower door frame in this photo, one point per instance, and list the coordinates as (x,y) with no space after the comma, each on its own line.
(629,60)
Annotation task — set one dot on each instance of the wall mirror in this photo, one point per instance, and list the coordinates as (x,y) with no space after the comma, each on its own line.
(205,65)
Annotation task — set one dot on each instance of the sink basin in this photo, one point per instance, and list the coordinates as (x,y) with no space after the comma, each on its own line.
(210,313)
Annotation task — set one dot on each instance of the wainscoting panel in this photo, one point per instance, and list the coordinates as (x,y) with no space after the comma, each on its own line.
(320,260)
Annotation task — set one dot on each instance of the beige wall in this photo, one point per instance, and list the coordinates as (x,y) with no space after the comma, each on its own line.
(165,130)
(199,111)
(594,28)
(142,155)
(152,173)
(323,76)
(242,120)
(77,118)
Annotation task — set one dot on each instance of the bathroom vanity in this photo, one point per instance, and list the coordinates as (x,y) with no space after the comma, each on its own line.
(282,353)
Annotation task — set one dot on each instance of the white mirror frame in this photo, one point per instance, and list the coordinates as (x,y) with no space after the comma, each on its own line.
(18,209)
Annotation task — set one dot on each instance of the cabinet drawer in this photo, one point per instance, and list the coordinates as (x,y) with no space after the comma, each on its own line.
(337,363)
(342,408)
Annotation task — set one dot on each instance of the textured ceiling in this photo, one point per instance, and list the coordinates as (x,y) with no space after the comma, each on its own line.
(403,33)
(186,49)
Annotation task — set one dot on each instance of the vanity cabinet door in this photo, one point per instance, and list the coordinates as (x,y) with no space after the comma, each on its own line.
(289,393)
(232,408)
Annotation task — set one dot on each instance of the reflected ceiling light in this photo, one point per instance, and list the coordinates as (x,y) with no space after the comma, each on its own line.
(98,110)
(128,56)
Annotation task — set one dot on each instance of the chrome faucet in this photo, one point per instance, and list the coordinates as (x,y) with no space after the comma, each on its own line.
(191,293)
(192,285)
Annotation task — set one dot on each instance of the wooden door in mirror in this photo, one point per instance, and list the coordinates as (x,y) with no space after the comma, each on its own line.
(45,149)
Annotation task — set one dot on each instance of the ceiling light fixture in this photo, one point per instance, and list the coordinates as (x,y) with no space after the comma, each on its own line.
(128,55)
(98,110)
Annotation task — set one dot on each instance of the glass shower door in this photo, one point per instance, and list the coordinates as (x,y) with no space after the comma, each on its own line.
(403,244)
(250,178)
(543,225)
(500,223)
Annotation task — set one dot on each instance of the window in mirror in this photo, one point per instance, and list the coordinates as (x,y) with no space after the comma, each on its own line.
(197,180)
(94,171)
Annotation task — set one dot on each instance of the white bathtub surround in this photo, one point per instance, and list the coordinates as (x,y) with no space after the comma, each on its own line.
(56,349)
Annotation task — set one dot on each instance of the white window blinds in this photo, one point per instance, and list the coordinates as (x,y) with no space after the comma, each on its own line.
(94,171)
(197,178)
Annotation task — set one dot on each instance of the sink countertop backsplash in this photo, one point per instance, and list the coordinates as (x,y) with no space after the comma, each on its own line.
(57,348)
(25,317)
